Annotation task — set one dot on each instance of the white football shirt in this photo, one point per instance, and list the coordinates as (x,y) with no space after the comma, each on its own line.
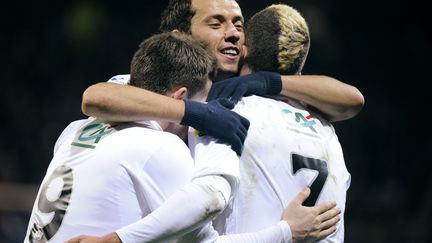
(211,157)
(287,149)
(120,79)
(214,158)
(105,176)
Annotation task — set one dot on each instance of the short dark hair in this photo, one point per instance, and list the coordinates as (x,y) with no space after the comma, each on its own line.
(170,60)
(278,40)
(177,15)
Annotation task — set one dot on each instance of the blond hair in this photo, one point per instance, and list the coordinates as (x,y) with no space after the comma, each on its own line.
(278,36)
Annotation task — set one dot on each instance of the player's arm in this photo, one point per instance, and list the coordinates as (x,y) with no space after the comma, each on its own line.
(334,99)
(189,208)
(194,204)
(216,178)
(115,102)
(299,223)
(186,206)
(310,224)
(279,232)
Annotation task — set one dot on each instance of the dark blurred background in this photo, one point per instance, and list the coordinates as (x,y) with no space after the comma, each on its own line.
(53,50)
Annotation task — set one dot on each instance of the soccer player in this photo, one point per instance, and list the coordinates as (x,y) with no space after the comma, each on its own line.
(225,14)
(107,175)
(289,146)
(219,25)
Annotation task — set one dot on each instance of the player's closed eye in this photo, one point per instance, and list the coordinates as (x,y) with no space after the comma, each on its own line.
(239,26)
(215,25)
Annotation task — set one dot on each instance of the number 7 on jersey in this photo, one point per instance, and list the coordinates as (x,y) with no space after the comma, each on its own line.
(301,162)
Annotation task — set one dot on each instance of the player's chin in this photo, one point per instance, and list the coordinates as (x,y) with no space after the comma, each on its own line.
(231,68)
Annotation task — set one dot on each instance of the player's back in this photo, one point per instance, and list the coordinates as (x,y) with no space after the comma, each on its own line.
(286,150)
(104,176)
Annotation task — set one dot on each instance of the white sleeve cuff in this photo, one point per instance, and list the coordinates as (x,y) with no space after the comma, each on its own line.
(286,231)
(278,233)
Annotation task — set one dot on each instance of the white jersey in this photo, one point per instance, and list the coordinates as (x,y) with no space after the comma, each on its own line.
(103,177)
(214,158)
(211,158)
(286,150)
(120,79)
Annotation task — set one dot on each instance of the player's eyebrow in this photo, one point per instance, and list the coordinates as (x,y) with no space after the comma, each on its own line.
(238,18)
(222,18)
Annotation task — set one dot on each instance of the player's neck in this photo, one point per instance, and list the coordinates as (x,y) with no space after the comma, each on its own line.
(245,70)
(176,129)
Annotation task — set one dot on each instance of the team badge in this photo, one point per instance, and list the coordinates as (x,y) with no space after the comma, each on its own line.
(300,123)
(90,135)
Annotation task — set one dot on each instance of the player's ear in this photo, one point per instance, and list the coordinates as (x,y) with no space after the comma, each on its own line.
(180,93)
(176,31)
(245,51)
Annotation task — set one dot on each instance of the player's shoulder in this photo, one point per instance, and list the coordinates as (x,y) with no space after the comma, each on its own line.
(255,100)
(142,136)
(138,141)
(70,131)
(76,125)
(256,105)
(149,129)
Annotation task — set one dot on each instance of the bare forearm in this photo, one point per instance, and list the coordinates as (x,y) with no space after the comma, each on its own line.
(336,100)
(116,102)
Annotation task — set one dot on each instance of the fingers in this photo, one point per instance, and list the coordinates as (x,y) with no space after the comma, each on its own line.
(324,233)
(74,240)
(330,214)
(242,133)
(245,122)
(325,206)
(237,146)
(302,196)
(330,222)
(244,127)
(239,141)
